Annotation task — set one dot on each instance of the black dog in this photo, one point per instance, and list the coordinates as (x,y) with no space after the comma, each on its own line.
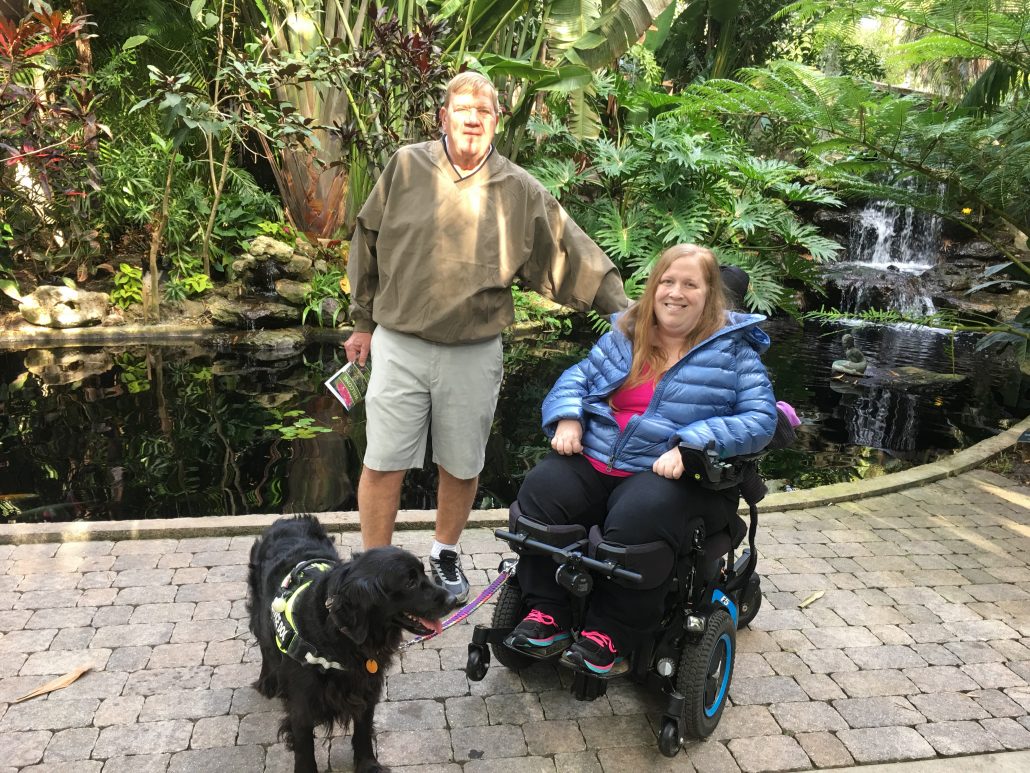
(341,623)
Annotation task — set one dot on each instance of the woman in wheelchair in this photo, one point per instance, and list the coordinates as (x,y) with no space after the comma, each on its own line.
(677,370)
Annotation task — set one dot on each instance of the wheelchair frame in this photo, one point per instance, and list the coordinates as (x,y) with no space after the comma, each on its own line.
(698,626)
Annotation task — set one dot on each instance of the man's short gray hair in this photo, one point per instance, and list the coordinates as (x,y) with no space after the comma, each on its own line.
(474,83)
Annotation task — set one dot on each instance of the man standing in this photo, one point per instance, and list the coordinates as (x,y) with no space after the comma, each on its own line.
(447,229)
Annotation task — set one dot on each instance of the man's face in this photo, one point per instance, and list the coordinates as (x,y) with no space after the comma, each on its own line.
(469,121)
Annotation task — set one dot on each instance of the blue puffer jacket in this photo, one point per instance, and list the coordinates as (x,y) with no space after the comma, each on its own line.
(719,390)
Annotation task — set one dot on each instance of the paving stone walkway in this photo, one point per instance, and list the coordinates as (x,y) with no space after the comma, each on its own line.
(919,648)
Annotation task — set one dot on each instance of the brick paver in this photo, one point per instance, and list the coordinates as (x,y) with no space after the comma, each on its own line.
(918,648)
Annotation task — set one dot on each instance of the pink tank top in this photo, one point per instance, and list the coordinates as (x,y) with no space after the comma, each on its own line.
(626,403)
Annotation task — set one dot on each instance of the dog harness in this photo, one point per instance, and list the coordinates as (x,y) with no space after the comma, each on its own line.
(287,636)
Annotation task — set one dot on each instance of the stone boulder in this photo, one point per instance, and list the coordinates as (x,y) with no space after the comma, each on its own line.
(292,291)
(976,249)
(250,314)
(266,247)
(301,268)
(834,221)
(64,307)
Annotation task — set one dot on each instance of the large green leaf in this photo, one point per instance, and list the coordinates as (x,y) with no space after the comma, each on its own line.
(597,32)
(538,76)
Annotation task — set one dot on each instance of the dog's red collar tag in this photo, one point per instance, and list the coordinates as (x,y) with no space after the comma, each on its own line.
(371,666)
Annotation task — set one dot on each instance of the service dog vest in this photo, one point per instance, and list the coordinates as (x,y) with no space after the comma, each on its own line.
(287,636)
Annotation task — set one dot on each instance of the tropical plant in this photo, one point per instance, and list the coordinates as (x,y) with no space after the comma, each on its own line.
(48,136)
(327,291)
(988,36)
(390,64)
(681,177)
(713,38)
(184,109)
(366,80)
(128,286)
(532,49)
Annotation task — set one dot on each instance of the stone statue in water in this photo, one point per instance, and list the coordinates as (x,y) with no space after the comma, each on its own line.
(855,362)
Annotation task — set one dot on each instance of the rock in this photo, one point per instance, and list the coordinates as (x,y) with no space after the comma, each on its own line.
(329,308)
(909,377)
(292,291)
(243,265)
(977,248)
(300,268)
(244,313)
(833,221)
(968,308)
(114,319)
(321,266)
(64,307)
(266,247)
(66,366)
(274,399)
(274,341)
(915,376)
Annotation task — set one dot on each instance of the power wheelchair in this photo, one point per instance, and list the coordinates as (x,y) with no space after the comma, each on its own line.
(710,595)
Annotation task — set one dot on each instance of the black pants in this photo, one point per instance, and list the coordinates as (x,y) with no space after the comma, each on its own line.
(630,511)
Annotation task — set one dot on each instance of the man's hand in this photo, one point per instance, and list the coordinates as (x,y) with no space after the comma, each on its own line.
(358,347)
(568,437)
(669,464)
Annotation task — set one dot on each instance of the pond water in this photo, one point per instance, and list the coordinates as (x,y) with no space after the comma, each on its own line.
(151,431)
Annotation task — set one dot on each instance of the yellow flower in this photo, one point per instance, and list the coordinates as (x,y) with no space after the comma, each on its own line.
(966,211)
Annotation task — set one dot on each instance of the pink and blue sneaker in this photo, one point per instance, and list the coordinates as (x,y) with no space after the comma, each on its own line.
(538,635)
(594,652)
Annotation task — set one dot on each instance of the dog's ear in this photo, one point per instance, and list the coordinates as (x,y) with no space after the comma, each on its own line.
(349,601)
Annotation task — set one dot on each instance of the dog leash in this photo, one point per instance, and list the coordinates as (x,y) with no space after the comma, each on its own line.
(468,609)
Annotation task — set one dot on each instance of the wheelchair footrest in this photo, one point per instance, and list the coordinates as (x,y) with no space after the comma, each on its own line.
(540,653)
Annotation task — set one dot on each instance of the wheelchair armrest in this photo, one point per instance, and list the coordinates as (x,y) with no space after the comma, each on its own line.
(705,466)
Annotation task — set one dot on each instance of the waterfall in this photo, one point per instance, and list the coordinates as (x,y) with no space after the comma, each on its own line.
(886,234)
(898,244)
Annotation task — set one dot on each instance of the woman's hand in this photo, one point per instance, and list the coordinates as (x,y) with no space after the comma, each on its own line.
(568,437)
(669,464)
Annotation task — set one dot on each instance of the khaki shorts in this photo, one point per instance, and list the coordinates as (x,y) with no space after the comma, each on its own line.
(417,385)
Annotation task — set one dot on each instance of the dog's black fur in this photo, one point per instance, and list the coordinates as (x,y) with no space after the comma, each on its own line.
(372,599)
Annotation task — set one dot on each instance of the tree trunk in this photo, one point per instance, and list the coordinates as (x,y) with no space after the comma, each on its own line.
(154,302)
(205,248)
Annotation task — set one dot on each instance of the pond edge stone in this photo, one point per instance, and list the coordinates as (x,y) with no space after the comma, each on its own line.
(348,521)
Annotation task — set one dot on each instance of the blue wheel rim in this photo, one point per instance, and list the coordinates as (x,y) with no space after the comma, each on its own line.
(717,678)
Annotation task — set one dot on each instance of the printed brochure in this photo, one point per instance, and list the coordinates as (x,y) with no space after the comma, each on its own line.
(350,383)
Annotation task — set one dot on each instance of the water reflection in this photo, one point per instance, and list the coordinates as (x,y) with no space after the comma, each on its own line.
(191,429)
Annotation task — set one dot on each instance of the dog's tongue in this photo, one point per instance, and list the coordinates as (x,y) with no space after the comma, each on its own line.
(433,625)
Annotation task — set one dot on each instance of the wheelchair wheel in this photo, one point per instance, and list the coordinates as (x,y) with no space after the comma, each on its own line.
(705,669)
(507,614)
(750,602)
(669,738)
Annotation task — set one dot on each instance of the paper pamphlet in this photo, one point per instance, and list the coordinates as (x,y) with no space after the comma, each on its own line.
(349,383)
